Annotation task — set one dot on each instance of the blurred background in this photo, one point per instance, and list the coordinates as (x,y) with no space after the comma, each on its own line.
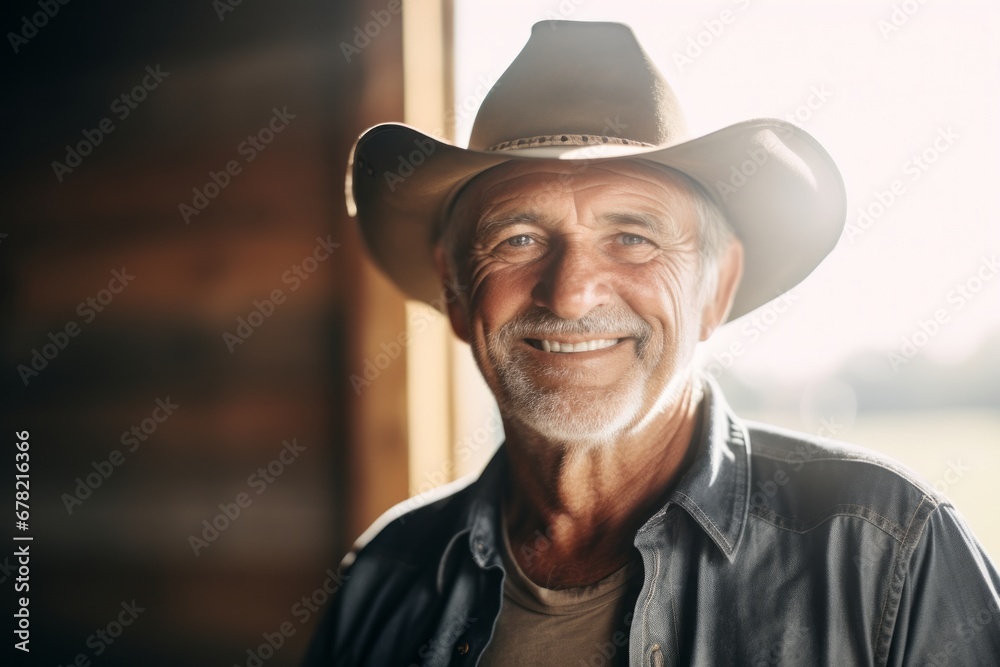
(221,393)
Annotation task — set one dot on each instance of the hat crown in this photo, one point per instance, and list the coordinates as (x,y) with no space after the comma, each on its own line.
(584,79)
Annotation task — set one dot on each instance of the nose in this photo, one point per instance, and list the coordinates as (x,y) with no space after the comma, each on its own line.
(573,283)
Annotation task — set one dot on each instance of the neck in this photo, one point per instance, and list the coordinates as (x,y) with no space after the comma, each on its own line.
(572,512)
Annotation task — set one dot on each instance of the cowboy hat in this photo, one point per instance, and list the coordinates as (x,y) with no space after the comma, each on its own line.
(588,92)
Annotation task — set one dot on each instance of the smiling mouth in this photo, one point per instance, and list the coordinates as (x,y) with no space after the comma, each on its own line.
(567,348)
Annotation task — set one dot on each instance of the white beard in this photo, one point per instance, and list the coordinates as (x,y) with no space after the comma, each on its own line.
(583,418)
(568,414)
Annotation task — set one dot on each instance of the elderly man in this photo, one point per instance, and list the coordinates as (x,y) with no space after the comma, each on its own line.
(586,244)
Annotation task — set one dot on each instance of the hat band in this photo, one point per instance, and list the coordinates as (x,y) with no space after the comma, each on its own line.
(565,140)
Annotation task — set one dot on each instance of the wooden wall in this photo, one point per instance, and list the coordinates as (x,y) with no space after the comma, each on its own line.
(161,336)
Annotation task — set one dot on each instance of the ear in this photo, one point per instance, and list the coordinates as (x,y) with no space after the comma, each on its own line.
(453,300)
(717,305)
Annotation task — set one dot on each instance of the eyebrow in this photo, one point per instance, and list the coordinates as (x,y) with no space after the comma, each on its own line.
(649,223)
(489,226)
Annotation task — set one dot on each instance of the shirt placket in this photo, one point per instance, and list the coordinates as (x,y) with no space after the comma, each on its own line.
(653,640)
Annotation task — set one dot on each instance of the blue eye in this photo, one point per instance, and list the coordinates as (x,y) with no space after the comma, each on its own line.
(632,239)
(519,240)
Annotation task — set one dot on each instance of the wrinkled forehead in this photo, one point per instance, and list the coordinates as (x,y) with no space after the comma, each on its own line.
(534,182)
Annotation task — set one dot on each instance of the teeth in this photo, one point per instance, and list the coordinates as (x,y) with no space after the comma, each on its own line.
(585,346)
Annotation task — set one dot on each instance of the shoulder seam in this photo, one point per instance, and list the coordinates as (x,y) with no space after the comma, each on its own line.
(890,528)
(773,454)
(914,530)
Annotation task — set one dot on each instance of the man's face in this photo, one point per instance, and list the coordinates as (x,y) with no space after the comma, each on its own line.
(584,304)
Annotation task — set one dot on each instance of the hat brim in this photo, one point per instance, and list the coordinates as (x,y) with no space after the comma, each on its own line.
(778,188)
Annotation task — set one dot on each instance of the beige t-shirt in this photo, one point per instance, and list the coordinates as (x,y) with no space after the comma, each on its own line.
(572,626)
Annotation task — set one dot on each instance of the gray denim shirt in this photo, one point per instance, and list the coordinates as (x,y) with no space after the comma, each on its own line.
(775,548)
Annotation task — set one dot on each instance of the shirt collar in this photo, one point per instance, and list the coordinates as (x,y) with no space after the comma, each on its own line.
(715,490)
(479,521)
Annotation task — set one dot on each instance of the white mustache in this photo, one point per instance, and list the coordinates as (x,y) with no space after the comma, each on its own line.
(607,321)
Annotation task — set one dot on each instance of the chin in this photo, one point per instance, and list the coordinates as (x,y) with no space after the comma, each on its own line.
(579,422)
(582,419)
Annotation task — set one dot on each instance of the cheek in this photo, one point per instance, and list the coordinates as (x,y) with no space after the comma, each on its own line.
(666,296)
(663,290)
(498,295)
(488,278)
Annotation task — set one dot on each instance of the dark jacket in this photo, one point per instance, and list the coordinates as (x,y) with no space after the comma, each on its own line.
(774,548)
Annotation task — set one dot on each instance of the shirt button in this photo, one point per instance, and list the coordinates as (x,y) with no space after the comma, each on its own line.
(462,648)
